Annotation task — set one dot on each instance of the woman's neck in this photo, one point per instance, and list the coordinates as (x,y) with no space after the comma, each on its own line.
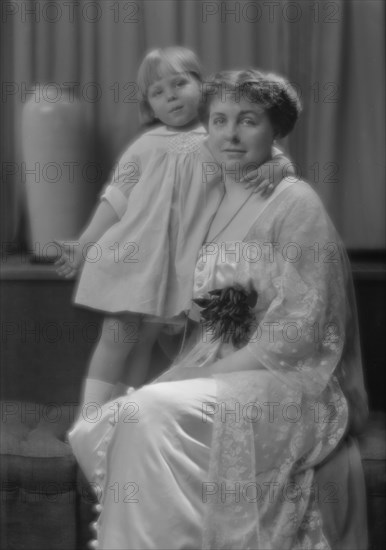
(234,188)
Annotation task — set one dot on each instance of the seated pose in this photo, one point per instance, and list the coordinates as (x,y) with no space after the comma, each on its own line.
(248,440)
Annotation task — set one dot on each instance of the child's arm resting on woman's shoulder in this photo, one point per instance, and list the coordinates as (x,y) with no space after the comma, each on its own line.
(267,177)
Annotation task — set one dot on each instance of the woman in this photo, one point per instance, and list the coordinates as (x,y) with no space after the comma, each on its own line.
(239,444)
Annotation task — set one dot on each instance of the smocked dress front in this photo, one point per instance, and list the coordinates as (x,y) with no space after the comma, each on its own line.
(145,262)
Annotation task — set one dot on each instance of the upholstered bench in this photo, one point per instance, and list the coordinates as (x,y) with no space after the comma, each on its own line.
(45,503)
(372,445)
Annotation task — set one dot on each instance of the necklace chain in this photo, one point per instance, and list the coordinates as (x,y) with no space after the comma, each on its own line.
(232,217)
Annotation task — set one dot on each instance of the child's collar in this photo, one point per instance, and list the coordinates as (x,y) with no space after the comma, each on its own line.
(165,131)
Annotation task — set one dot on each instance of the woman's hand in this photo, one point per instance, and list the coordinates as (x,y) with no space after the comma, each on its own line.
(70,260)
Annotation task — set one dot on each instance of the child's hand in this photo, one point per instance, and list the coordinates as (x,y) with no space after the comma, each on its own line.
(70,260)
(267,177)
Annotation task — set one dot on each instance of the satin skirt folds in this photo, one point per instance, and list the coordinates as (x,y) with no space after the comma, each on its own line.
(147,457)
(153,458)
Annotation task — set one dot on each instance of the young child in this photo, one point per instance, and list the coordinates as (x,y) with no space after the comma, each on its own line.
(119,270)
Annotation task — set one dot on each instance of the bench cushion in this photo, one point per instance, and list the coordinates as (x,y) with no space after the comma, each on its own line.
(38,473)
(372,445)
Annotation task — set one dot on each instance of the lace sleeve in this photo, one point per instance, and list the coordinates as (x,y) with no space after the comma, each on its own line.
(302,334)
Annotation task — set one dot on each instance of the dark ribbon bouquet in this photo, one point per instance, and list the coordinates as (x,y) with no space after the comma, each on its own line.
(228,314)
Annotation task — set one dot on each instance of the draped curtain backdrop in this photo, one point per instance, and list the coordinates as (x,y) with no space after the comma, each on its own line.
(333,51)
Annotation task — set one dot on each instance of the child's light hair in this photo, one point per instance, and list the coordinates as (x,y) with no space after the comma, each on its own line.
(159,63)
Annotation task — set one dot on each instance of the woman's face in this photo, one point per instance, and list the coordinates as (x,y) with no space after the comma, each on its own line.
(240,134)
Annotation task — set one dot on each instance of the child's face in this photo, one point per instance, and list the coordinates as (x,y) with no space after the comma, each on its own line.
(175,99)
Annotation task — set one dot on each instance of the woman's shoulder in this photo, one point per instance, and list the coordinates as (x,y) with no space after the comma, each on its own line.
(301,189)
(299,207)
(300,194)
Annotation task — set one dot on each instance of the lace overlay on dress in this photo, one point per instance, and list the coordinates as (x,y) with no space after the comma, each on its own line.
(273,426)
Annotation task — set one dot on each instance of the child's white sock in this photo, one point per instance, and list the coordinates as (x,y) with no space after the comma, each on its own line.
(96,391)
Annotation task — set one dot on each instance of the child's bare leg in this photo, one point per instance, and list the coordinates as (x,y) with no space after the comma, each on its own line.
(138,362)
(118,336)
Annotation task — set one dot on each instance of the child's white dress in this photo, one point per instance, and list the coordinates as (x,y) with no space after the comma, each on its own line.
(133,161)
(166,190)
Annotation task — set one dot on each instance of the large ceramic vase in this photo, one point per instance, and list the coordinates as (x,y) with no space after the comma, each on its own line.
(60,176)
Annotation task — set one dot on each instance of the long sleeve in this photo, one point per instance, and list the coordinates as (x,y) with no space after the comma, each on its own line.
(303,278)
(306,339)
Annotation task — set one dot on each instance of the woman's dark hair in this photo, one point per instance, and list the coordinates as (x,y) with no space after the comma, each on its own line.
(275,94)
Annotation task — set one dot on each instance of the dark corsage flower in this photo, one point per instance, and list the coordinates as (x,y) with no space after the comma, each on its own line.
(227,313)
